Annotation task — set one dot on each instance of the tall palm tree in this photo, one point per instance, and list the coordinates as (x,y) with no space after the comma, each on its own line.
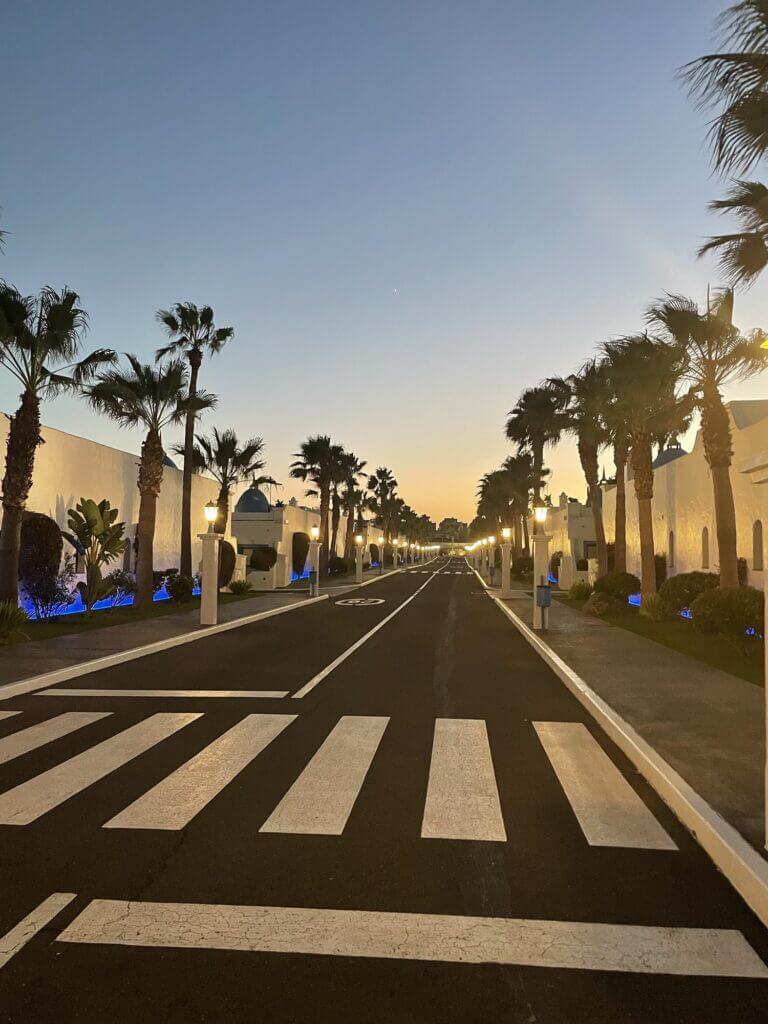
(337,479)
(715,354)
(383,487)
(268,481)
(535,422)
(495,496)
(228,462)
(650,369)
(351,497)
(40,340)
(316,461)
(742,255)
(193,333)
(152,397)
(519,469)
(583,397)
(616,414)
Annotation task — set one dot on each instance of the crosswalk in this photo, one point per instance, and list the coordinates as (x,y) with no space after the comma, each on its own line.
(462,800)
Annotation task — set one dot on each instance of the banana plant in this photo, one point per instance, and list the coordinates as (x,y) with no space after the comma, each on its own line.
(102,541)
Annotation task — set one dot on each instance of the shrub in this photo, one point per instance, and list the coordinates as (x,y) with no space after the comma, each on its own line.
(160,578)
(660,565)
(375,553)
(741,569)
(338,566)
(522,565)
(582,565)
(299,552)
(94,588)
(655,608)
(50,595)
(12,621)
(240,587)
(601,604)
(124,584)
(262,558)
(580,590)
(554,563)
(679,592)
(618,584)
(40,550)
(366,566)
(610,550)
(732,611)
(180,587)
(227,561)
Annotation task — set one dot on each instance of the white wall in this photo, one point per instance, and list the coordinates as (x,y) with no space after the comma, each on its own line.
(68,468)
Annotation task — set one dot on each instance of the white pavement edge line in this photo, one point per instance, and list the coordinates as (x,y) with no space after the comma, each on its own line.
(305,689)
(743,866)
(84,668)
(15,940)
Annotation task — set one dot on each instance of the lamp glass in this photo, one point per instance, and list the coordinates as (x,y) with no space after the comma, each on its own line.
(314,532)
(540,513)
(506,533)
(359,539)
(491,539)
(211,512)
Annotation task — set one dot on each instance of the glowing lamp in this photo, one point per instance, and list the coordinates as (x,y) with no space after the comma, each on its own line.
(540,513)
(211,514)
(506,533)
(359,539)
(314,532)
(491,539)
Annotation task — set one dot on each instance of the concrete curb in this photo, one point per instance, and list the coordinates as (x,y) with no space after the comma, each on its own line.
(84,668)
(743,866)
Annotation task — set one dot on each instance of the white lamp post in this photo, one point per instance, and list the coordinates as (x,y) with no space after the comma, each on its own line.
(359,558)
(209,587)
(395,542)
(381,556)
(540,568)
(506,551)
(314,561)
(491,556)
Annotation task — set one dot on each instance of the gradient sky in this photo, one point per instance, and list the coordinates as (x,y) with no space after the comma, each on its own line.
(409,211)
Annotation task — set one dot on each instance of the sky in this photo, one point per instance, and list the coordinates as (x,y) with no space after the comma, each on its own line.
(409,210)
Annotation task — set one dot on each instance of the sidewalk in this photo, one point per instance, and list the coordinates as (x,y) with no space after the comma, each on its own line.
(708,725)
(30,659)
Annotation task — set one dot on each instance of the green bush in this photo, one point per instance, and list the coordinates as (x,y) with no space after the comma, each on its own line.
(660,565)
(51,595)
(618,584)
(240,587)
(40,550)
(338,566)
(124,584)
(601,604)
(655,608)
(180,587)
(732,611)
(227,562)
(580,590)
(679,592)
(299,552)
(12,621)
(554,563)
(262,558)
(160,578)
(522,565)
(375,553)
(742,569)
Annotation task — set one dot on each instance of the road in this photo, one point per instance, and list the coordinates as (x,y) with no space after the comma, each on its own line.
(385,811)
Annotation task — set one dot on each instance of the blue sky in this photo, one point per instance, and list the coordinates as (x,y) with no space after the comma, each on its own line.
(408,210)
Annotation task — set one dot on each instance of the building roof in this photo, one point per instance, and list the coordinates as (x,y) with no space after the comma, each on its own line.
(668,455)
(748,411)
(252,500)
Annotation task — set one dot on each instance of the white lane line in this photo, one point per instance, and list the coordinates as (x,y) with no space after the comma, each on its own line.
(313,682)
(8,714)
(56,692)
(321,800)
(609,811)
(462,798)
(40,794)
(174,801)
(14,941)
(35,736)
(636,949)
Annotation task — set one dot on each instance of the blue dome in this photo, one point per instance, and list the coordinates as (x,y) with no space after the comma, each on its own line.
(167,461)
(252,500)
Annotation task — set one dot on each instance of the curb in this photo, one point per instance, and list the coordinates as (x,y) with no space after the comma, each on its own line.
(83,668)
(742,865)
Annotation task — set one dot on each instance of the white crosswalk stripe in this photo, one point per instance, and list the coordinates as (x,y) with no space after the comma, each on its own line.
(35,736)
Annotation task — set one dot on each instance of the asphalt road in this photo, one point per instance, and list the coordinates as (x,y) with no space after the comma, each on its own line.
(432,831)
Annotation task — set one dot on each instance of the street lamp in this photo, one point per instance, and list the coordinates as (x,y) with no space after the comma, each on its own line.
(541,593)
(506,550)
(209,585)
(211,514)
(314,561)
(540,513)
(395,542)
(381,555)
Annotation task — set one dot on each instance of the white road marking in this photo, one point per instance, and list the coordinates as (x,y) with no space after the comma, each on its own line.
(321,799)
(462,798)
(174,801)
(15,940)
(609,811)
(8,714)
(45,732)
(40,794)
(637,949)
(313,682)
(56,692)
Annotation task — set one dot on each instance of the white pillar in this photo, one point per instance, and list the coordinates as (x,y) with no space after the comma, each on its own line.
(209,587)
(506,579)
(314,568)
(540,567)
(359,563)
(394,556)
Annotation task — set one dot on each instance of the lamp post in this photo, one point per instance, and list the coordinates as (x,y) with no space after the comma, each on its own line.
(359,558)
(395,542)
(541,593)
(491,557)
(381,556)
(506,551)
(209,587)
(314,561)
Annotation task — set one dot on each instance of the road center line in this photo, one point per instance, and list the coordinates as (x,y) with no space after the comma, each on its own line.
(307,687)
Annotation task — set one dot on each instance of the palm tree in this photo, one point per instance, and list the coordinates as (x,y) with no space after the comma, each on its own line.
(153,397)
(495,496)
(228,463)
(315,461)
(616,414)
(583,398)
(337,479)
(519,469)
(194,333)
(383,487)
(742,255)
(40,340)
(650,370)
(715,354)
(352,496)
(535,422)
(267,480)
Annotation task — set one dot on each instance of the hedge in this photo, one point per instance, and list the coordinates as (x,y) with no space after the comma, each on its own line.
(732,611)
(679,592)
(620,585)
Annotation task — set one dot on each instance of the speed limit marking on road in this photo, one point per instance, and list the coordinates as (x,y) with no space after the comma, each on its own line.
(358,601)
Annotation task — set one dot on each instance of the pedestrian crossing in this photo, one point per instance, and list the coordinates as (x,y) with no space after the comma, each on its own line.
(462,801)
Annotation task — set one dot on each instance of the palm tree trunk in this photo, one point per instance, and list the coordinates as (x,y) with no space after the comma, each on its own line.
(23,439)
(349,538)
(716,436)
(526,538)
(620,526)
(643,472)
(335,519)
(325,501)
(538,468)
(222,503)
(185,554)
(588,457)
(517,535)
(150,479)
